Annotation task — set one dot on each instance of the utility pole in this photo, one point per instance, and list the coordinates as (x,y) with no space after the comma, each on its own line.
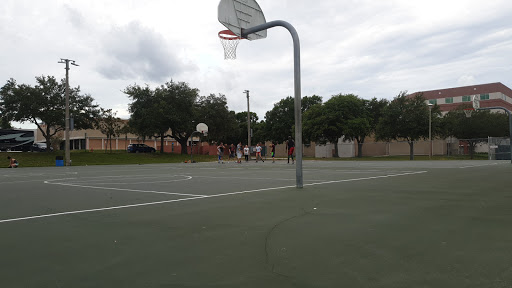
(430,131)
(248,124)
(66,132)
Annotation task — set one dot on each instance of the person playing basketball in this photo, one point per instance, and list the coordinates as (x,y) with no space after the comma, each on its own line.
(290,146)
(220,152)
(239,152)
(273,152)
(258,153)
(246,153)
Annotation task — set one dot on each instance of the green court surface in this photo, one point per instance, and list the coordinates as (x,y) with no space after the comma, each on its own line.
(354,224)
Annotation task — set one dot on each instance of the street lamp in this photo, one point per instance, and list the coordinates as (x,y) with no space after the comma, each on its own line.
(430,130)
(66,132)
(248,125)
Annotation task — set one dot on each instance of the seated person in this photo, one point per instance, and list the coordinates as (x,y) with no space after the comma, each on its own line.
(13,163)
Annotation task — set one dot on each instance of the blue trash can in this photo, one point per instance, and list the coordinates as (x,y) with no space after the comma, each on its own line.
(59,161)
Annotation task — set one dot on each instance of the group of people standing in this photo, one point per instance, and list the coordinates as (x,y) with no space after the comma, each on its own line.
(240,150)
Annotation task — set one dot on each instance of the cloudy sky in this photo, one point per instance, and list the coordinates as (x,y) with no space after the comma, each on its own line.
(366,47)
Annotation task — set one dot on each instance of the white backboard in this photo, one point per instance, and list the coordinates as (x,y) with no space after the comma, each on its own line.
(201,127)
(242,14)
(476,101)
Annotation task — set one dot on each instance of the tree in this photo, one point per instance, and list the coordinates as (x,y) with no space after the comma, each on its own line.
(170,106)
(4,122)
(179,103)
(354,119)
(125,130)
(109,124)
(345,117)
(406,118)
(144,111)
(241,119)
(222,123)
(315,125)
(474,129)
(375,110)
(44,105)
(280,121)
(366,123)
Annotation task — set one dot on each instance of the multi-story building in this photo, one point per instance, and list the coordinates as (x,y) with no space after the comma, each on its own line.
(490,95)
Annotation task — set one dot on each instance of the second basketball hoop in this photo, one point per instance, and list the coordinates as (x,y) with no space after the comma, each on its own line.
(229,41)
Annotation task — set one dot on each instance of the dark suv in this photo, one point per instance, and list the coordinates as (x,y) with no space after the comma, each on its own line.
(140,148)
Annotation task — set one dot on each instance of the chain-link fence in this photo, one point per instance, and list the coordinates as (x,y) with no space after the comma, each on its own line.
(499,148)
(479,146)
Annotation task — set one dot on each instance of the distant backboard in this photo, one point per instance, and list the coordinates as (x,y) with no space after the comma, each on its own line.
(242,14)
(476,101)
(201,127)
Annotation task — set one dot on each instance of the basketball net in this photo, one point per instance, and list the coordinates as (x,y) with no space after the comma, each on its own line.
(229,41)
(468,112)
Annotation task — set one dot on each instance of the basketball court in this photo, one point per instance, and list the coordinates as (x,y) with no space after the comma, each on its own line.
(316,224)
(353,224)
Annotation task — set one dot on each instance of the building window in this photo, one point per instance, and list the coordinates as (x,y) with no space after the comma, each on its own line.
(466,98)
(432,101)
(484,96)
(448,100)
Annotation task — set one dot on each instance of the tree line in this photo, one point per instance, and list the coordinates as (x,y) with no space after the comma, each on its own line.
(173,109)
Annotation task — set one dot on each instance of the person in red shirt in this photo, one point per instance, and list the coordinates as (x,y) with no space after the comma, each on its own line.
(290,146)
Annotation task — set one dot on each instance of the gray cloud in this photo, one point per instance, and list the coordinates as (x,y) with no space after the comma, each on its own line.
(136,52)
(74,17)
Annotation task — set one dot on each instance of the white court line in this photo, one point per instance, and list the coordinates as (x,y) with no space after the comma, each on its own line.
(366,178)
(122,189)
(474,166)
(136,177)
(198,197)
(123,176)
(17,182)
(29,175)
(250,178)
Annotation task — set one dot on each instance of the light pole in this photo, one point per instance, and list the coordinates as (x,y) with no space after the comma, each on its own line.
(66,132)
(430,130)
(297,83)
(192,145)
(248,124)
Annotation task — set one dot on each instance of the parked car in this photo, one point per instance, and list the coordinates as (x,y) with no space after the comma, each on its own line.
(140,148)
(40,147)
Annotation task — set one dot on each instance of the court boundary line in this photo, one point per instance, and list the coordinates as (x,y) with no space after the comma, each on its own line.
(476,166)
(249,178)
(199,197)
(125,189)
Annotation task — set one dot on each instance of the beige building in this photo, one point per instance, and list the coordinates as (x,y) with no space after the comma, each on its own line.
(92,139)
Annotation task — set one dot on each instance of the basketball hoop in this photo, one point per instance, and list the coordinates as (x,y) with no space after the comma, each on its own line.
(229,41)
(468,112)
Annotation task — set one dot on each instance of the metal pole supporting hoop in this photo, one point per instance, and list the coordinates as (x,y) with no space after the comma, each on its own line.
(229,42)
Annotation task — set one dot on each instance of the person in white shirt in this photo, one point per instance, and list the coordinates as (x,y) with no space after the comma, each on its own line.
(239,153)
(258,152)
(246,153)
